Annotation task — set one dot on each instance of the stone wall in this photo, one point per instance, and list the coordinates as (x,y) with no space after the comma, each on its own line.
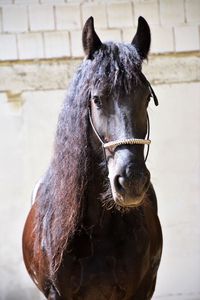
(40,48)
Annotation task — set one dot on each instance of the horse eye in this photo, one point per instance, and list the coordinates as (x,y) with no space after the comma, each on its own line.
(97,101)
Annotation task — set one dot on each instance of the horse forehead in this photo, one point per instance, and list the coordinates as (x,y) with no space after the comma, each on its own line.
(127,105)
(122,113)
(119,121)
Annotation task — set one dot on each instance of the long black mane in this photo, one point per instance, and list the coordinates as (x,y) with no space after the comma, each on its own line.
(64,186)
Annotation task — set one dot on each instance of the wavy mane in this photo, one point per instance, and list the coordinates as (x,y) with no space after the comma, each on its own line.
(64,187)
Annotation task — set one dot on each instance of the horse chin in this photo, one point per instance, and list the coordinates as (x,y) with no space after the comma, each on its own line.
(127,201)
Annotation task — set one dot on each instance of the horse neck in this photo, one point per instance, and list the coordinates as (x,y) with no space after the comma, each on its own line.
(92,209)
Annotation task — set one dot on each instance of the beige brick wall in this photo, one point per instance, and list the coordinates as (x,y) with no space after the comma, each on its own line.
(149,10)
(120,14)
(186,38)
(15,18)
(98,11)
(175,24)
(8,48)
(172,12)
(30,45)
(68,16)
(41,17)
(57,44)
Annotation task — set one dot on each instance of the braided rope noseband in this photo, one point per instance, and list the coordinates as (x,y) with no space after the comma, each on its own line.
(127,142)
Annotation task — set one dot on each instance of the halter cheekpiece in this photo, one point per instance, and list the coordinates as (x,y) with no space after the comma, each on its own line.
(131,141)
(116,143)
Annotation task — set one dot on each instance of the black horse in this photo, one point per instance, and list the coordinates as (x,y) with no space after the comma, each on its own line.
(93,232)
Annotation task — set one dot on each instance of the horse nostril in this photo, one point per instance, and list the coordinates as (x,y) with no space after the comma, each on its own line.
(119,183)
(135,184)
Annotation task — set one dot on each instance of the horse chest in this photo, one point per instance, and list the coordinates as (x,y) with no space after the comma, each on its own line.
(108,266)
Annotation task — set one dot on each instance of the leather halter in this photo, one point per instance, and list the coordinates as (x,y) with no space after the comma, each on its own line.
(132,141)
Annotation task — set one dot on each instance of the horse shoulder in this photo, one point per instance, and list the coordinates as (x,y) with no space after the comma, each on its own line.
(33,255)
(28,241)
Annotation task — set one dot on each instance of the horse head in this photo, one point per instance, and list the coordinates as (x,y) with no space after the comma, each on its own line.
(119,96)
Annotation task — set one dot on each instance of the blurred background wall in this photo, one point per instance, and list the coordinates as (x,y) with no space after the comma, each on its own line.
(40,47)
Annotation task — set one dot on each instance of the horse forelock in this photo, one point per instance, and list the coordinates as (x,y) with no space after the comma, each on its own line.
(65,182)
(119,65)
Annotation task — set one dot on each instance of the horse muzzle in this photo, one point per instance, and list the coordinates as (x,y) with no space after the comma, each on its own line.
(129,182)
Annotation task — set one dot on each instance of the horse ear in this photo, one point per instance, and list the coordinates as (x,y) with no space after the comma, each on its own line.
(142,38)
(90,39)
